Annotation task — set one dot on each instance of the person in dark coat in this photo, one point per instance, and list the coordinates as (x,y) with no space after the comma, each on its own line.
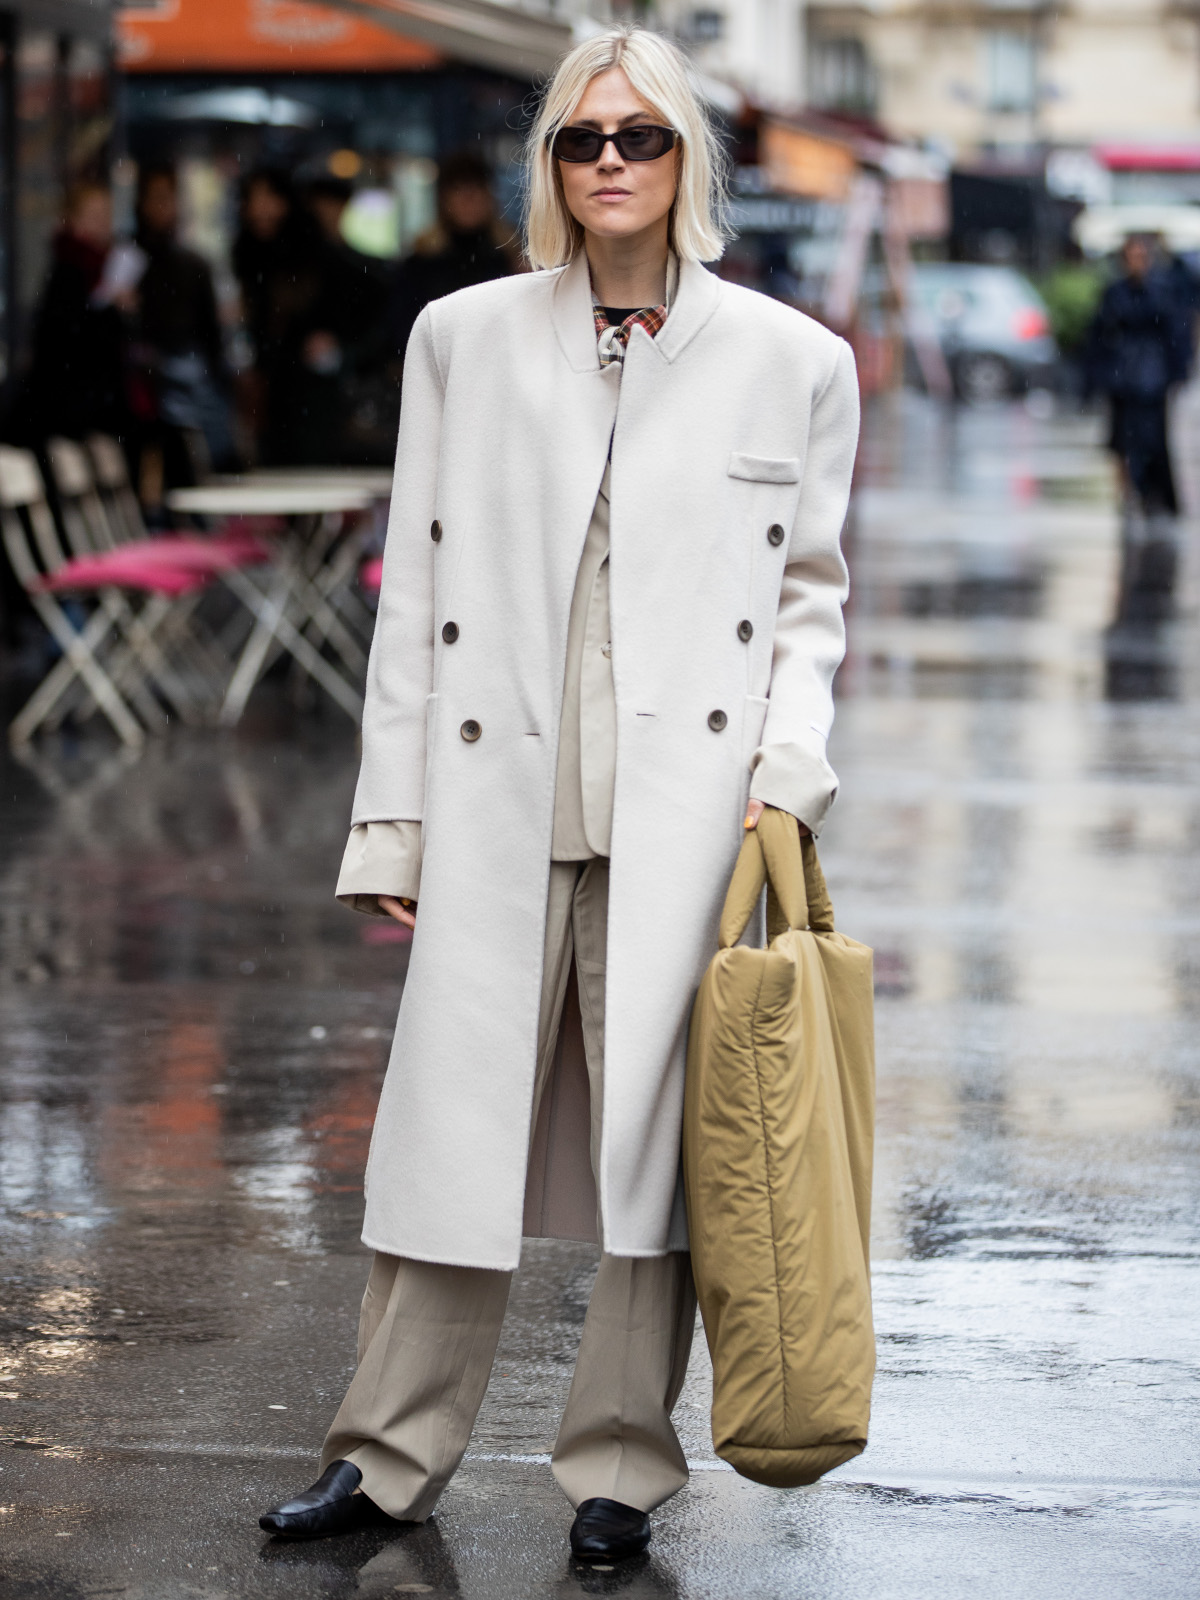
(180,376)
(76,380)
(468,244)
(288,298)
(1139,349)
(354,345)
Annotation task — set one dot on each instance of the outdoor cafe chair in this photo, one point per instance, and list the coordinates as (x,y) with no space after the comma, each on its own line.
(104,581)
(84,524)
(101,511)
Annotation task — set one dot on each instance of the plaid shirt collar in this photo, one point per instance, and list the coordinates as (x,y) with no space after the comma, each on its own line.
(612,342)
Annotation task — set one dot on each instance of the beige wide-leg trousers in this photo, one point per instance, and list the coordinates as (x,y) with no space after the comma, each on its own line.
(428,1333)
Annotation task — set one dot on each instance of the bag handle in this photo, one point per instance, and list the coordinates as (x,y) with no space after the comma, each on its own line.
(774,854)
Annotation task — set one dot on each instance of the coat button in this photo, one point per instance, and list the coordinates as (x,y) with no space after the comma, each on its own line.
(450,632)
(745,630)
(435,531)
(470,730)
(717,720)
(775,534)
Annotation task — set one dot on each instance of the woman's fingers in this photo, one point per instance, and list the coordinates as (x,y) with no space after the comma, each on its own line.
(404,911)
(755,809)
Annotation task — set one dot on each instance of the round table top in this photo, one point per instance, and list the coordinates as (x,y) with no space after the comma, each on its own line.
(376,481)
(279,499)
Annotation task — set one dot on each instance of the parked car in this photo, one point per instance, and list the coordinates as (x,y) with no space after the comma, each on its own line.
(992,325)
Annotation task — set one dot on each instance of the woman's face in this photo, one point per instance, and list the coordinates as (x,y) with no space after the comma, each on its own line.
(611,197)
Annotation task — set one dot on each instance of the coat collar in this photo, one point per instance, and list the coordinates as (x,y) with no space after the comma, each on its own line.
(694,302)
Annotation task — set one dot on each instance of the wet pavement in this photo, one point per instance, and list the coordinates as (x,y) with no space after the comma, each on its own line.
(194,1036)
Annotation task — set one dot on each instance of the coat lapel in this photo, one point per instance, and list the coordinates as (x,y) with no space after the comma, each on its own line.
(696,297)
(574,323)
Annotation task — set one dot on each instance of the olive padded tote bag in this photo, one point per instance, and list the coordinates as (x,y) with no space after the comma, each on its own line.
(777,1145)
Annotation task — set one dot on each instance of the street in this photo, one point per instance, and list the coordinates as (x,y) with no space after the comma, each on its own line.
(195,1034)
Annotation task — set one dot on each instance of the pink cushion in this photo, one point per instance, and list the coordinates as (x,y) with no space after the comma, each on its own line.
(197,553)
(371,574)
(116,570)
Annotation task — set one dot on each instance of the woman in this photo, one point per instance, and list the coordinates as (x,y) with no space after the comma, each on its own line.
(566,777)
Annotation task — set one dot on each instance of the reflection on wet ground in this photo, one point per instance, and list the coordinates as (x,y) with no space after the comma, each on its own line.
(195,1034)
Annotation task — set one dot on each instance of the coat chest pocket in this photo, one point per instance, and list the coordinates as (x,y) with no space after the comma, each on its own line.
(765,469)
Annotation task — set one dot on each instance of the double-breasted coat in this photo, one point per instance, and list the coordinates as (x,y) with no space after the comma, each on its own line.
(732,445)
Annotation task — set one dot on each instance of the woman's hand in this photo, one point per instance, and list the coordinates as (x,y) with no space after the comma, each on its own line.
(404,911)
(754,810)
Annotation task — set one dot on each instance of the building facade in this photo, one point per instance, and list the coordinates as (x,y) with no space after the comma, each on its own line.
(1010,76)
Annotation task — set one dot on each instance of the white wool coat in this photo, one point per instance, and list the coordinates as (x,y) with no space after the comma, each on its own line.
(733,436)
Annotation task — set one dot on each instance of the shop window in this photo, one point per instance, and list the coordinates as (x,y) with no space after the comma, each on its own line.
(706,27)
(841,75)
(1011,71)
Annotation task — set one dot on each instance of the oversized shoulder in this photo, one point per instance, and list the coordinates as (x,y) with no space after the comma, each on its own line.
(757,317)
(500,300)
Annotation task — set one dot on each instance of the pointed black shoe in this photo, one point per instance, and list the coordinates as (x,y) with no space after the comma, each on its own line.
(330,1506)
(605,1530)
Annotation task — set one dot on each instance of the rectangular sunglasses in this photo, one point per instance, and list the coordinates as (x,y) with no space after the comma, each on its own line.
(643,143)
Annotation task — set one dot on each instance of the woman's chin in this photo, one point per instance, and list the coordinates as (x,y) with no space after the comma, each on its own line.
(615,225)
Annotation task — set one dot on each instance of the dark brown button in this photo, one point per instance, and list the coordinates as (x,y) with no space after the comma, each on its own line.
(450,632)
(717,720)
(745,630)
(775,534)
(435,531)
(470,730)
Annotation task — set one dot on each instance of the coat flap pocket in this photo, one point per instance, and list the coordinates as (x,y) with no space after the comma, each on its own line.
(765,469)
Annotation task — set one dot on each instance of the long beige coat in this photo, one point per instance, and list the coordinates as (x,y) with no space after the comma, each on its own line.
(732,449)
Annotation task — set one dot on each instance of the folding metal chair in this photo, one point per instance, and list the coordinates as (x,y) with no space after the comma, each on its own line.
(225,553)
(105,579)
(146,652)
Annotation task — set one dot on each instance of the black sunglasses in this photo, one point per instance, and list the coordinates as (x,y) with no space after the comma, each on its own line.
(633,144)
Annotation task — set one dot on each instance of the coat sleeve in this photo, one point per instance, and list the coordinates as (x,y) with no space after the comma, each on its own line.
(789,769)
(380,858)
(391,780)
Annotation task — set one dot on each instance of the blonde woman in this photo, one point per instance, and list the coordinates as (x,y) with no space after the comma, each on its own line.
(610,619)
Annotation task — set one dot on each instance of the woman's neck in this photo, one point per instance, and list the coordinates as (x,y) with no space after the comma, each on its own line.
(629,272)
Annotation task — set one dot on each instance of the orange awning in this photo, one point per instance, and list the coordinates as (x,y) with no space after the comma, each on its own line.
(260,36)
(339,35)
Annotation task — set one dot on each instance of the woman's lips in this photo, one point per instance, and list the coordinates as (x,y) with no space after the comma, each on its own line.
(611,194)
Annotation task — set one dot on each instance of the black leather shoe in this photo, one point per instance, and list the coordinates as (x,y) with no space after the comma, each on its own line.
(330,1506)
(605,1530)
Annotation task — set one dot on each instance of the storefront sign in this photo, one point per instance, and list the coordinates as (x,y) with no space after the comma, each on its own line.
(802,163)
(258,35)
(772,214)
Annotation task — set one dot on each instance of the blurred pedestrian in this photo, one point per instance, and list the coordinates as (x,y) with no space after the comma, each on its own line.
(1183,285)
(76,380)
(180,385)
(557,767)
(282,265)
(1136,354)
(467,244)
(355,343)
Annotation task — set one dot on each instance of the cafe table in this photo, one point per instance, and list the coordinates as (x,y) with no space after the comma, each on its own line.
(295,608)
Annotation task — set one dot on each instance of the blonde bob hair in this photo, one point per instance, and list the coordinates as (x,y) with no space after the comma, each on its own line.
(660,73)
